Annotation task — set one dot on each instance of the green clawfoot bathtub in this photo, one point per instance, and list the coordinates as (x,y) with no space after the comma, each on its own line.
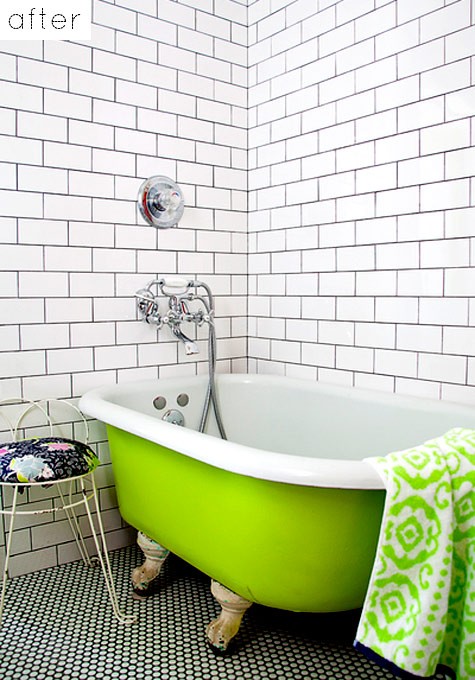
(285,513)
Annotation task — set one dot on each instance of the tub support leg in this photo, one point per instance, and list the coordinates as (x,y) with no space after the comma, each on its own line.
(155,556)
(221,631)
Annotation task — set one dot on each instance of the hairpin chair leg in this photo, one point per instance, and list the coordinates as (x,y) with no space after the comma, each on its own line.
(102,554)
(75,527)
(8,550)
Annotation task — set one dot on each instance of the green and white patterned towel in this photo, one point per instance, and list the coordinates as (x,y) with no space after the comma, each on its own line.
(419,613)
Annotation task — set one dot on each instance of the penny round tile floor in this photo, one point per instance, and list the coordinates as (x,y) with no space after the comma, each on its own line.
(58,625)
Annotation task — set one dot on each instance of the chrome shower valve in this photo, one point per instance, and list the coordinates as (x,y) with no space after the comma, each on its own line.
(160,202)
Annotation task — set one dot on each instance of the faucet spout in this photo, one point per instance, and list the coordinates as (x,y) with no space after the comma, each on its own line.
(190,346)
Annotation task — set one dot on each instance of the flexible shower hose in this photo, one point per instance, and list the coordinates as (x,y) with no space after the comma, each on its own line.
(211,396)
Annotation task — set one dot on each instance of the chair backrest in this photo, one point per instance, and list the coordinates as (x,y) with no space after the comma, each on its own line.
(43,405)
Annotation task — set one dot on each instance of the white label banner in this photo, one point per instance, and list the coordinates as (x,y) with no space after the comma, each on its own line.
(45,19)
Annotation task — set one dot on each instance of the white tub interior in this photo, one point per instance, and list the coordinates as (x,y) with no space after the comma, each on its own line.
(305,419)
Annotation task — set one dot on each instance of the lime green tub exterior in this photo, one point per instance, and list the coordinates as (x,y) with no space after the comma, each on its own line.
(285,513)
(292,547)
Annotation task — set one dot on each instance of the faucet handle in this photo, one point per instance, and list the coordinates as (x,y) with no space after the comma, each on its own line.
(185,310)
(209,318)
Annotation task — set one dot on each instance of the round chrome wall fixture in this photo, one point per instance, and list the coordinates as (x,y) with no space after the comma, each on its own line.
(161,202)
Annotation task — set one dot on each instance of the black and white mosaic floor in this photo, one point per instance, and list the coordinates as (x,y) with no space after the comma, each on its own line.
(58,624)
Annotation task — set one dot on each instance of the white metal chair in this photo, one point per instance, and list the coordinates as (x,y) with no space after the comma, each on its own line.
(56,462)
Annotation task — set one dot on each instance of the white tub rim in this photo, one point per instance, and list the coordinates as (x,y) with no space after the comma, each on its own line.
(247,460)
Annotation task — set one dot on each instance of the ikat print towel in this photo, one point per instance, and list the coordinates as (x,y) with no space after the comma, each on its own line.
(419,613)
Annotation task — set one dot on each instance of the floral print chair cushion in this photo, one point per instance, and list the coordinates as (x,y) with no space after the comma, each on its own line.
(44,460)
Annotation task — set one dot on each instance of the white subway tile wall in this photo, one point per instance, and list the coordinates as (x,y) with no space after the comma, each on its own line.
(160,89)
(326,152)
(361,119)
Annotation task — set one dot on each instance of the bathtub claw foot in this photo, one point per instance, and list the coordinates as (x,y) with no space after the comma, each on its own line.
(155,556)
(222,630)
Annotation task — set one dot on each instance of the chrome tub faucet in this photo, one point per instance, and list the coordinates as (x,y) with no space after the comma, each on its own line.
(178,292)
